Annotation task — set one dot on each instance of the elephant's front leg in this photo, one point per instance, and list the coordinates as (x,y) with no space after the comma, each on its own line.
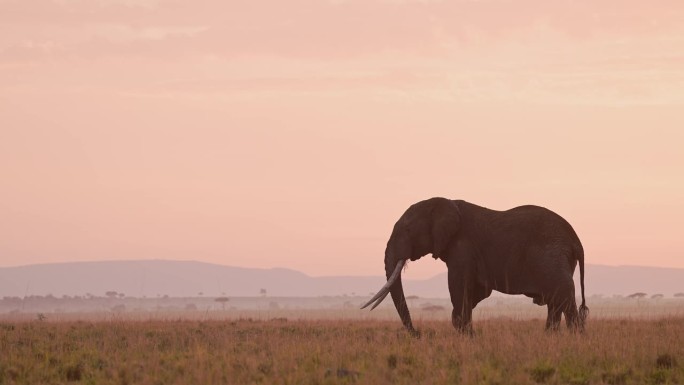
(462,321)
(461,289)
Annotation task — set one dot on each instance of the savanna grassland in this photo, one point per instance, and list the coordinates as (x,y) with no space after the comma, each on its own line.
(282,351)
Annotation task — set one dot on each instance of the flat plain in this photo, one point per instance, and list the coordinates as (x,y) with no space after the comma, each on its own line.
(332,347)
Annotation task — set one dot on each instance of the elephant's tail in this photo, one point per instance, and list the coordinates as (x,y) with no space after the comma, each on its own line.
(583,309)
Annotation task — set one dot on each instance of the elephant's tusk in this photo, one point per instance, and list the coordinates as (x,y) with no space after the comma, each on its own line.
(379,301)
(386,289)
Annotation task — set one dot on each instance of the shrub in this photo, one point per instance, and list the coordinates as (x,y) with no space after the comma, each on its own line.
(666,361)
(618,377)
(542,372)
(574,374)
(658,376)
(74,372)
(392,361)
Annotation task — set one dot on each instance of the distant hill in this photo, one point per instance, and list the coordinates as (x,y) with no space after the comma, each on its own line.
(188,279)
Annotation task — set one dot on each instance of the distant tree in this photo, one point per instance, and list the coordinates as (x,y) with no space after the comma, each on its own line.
(637,295)
(111,294)
(222,301)
(262,292)
(679,295)
(12,300)
(121,295)
(200,294)
(656,296)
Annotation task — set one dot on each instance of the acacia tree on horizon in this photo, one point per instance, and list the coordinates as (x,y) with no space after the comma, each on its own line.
(222,301)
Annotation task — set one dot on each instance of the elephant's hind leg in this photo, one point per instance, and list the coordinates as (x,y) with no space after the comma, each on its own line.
(561,300)
(568,306)
(554,316)
(572,317)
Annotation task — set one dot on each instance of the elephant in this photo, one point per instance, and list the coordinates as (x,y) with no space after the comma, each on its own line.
(527,250)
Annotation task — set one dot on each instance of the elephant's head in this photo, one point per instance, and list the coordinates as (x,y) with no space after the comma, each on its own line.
(426,227)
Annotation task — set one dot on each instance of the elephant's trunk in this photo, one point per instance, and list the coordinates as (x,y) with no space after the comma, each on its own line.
(397,252)
(397,291)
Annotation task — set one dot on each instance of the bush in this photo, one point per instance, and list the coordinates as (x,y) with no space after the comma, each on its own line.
(658,376)
(666,361)
(392,361)
(618,377)
(542,372)
(74,372)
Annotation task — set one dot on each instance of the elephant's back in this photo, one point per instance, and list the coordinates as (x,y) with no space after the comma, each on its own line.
(523,224)
(548,226)
(539,215)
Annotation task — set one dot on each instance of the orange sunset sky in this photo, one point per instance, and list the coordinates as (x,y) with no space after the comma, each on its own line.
(295,133)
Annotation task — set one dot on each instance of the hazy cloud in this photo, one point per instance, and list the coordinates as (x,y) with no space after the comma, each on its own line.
(536,50)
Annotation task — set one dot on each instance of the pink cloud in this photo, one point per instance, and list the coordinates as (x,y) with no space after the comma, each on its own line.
(182,129)
(322,29)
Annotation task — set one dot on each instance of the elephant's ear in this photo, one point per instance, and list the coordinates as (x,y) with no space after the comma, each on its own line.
(446,221)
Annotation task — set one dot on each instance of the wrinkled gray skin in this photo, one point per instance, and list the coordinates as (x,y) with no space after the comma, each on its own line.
(525,250)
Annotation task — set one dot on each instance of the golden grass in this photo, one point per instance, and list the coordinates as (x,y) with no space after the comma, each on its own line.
(280,351)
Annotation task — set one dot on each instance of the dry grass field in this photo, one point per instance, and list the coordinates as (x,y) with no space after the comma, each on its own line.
(115,350)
